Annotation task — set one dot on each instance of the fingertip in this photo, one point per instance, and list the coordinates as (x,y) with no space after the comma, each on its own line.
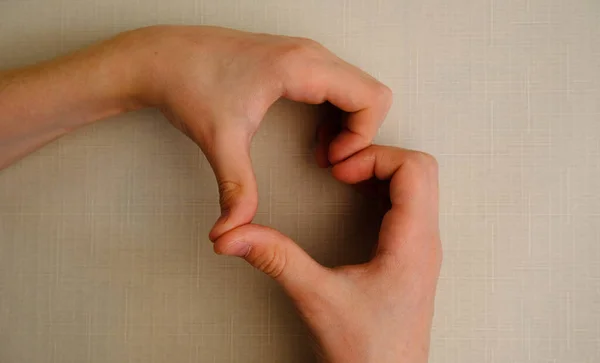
(217,230)
(240,214)
(338,171)
(344,172)
(356,168)
(235,248)
(239,240)
(346,144)
(231,242)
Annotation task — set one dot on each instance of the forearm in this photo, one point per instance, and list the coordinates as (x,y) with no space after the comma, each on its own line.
(43,102)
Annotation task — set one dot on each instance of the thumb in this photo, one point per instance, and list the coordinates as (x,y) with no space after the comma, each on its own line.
(238,195)
(277,256)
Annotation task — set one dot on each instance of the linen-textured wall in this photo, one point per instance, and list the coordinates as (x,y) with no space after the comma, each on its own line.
(104,255)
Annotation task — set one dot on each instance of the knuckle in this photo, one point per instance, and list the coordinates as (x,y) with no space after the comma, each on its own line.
(228,190)
(271,262)
(309,44)
(425,162)
(384,94)
(295,63)
(297,49)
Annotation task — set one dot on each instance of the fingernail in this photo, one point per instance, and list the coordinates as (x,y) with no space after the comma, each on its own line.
(238,248)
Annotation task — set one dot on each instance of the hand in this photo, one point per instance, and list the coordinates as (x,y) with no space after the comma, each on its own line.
(380,311)
(216,85)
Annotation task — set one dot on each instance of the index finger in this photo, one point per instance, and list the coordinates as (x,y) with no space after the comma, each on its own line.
(413,191)
(368,102)
(412,174)
(347,87)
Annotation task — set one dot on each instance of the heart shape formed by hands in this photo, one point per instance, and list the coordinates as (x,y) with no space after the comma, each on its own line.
(216,85)
(218,94)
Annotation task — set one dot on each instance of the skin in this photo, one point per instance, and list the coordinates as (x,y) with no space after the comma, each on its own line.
(215,85)
(380,311)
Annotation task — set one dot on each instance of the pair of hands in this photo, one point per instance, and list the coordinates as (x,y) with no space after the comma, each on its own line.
(215,85)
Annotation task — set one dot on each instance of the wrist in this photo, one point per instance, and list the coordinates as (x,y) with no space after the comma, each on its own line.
(113,77)
(134,60)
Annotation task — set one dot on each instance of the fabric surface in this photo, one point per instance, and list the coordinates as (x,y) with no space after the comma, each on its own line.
(104,255)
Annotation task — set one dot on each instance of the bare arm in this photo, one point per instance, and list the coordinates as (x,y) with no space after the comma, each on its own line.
(43,102)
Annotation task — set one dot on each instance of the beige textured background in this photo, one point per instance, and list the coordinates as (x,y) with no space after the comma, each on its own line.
(103,248)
